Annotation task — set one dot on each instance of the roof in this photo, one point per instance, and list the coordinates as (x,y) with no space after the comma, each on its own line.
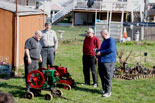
(22,10)
(56,7)
(48,6)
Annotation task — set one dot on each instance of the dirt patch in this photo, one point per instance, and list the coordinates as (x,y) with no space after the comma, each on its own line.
(3,79)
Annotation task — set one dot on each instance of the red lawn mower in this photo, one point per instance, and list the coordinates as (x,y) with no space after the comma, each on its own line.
(47,79)
(64,77)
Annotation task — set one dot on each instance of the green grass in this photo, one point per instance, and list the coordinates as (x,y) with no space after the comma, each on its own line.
(69,54)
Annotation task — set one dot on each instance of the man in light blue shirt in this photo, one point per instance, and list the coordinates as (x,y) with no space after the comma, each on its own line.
(49,44)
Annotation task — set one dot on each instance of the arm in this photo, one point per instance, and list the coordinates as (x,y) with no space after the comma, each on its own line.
(98,44)
(27,50)
(28,55)
(55,40)
(40,59)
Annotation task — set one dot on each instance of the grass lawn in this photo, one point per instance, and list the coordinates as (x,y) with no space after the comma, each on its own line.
(69,54)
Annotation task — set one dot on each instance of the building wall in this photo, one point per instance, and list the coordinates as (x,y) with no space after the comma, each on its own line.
(89,18)
(116,17)
(84,18)
(27,26)
(6,34)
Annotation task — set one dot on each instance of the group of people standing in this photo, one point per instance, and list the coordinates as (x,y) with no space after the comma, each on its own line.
(41,47)
(104,54)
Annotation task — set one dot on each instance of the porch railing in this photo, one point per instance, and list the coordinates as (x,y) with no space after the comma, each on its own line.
(62,13)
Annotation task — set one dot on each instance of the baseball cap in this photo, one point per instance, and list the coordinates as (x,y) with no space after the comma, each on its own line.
(90,30)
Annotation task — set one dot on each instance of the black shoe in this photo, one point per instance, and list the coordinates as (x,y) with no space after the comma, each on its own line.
(28,89)
(85,84)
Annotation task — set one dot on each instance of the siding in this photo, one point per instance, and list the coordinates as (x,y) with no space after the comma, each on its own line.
(6,34)
(27,26)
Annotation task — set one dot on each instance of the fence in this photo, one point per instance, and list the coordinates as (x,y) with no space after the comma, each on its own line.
(149,33)
(146,31)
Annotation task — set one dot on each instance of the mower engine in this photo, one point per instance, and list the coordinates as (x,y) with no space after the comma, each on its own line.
(43,79)
(64,77)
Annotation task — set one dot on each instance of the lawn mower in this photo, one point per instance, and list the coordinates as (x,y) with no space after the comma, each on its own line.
(64,77)
(47,79)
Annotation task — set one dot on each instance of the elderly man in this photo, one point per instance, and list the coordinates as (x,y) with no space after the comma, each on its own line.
(91,42)
(32,54)
(106,61)
(49,44)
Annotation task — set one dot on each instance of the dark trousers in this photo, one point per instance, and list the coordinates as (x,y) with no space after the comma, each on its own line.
(89,62)
(47,57)
(106,75)
(29,68)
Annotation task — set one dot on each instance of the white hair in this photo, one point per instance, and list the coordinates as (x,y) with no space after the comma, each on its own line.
(38,32)
(105,31)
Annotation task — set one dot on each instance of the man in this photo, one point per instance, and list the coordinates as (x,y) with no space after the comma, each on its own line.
(90,3)
(106,61)
(32,54)
(91,42)
(49,44)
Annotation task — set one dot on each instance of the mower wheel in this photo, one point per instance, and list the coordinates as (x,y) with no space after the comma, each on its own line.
(59,93)
(48,96)
(29,95)
(35,79)
(67,87)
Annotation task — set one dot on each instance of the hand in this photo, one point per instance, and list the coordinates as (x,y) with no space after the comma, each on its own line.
(29,61)
(40,59)
(98,53)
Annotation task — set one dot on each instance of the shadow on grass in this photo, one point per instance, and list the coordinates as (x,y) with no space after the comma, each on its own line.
(92,90)
(16,91)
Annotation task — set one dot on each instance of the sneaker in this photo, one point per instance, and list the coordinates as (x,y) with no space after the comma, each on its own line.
(106,94)
(95,85)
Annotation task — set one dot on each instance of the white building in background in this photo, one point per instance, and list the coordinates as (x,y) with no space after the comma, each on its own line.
(110,13)
(133,10)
